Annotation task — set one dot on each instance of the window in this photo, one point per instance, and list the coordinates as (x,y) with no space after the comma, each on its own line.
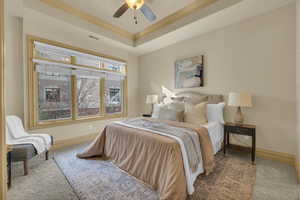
(88,96)
(55,98)
(67,85)
(113,91)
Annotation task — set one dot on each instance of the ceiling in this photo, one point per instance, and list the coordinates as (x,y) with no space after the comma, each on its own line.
(104,9)
(199,21)
(100,13)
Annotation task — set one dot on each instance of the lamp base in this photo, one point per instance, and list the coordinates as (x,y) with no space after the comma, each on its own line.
(239,118)
(152,108)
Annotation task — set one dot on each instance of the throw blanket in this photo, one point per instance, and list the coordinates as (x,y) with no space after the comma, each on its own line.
(15,134)
(153,157)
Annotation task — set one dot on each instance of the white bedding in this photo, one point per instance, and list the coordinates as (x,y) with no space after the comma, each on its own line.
(216,133)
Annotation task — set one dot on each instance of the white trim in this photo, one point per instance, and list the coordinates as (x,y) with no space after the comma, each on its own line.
(70,66)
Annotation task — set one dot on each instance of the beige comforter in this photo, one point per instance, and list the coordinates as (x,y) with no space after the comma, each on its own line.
(152,158)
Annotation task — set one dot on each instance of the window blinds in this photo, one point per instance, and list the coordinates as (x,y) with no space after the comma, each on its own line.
(52,69)
(55,53)
(68,69)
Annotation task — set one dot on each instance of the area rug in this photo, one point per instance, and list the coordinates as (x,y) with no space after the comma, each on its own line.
(96,179)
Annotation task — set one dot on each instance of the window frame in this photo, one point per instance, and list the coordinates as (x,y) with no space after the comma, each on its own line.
(32,88)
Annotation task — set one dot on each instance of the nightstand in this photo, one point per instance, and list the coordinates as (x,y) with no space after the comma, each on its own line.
(146,115)
(240,129)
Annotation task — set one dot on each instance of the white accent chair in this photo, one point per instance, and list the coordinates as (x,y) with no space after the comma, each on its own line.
(24,145)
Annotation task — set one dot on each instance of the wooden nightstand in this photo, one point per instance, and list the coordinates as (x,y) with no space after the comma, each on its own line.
(240,129)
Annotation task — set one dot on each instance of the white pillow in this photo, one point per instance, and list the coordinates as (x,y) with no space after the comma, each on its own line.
(179,106)
(215,112)
(156,109)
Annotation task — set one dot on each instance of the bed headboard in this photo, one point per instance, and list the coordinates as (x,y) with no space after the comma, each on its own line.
(195,97)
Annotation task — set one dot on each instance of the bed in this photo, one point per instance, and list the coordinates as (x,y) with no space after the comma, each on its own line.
(166,155)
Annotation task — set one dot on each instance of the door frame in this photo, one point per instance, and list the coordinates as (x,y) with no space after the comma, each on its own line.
(3,166)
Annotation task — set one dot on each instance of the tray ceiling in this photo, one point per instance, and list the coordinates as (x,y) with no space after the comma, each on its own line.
(193,20)
(100,13)
(104,9)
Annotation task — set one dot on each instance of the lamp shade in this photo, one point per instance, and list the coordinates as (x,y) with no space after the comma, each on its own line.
(152,99)
(239,99)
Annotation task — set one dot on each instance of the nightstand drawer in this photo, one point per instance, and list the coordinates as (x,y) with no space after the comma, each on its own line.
(240,130)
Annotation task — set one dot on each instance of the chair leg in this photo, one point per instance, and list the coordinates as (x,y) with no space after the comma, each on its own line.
(25,162)
(47,155)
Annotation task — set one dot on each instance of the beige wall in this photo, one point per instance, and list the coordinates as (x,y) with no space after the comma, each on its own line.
(298,79)
(13,61)
(255,56)
(38,24)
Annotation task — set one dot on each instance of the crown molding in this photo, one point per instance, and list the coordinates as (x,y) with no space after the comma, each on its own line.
(58,4)
(189,9)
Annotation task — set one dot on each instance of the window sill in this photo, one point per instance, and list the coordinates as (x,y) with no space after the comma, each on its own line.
(49,124)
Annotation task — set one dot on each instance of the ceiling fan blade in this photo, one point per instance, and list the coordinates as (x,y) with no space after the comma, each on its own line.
(146,10)
(121,10)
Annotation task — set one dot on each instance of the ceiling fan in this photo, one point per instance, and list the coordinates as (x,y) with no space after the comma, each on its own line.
(136,5)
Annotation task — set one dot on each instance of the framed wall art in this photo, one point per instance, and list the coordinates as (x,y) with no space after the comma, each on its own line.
(189,72)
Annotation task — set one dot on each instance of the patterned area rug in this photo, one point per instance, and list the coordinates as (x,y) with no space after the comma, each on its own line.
(96,179)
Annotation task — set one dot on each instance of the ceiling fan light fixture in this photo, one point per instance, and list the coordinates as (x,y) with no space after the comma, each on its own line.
(135,4)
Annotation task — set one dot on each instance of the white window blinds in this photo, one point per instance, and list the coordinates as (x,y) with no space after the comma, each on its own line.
(88,74)
(52,69)
(58,60)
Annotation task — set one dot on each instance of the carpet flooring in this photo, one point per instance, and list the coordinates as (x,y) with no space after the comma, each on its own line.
(95,179)
(274,180)
(44,182)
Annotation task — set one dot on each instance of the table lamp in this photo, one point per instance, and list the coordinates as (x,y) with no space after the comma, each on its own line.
(239,100)
(152,99)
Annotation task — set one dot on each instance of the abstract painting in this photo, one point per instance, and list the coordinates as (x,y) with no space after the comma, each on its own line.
(189,72)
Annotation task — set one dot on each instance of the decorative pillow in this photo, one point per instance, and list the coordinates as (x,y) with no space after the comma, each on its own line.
(195,114)
(215,112)
(214,99)
(195,100)
(170,114)
(177,99)
(156,109)
(179,106)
